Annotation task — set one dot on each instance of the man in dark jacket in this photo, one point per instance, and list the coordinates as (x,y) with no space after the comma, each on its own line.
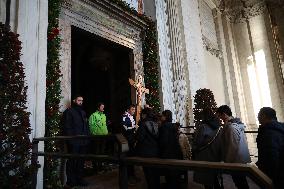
(147,145)
(169,148)
(75,123)
(270,144)
(168,138)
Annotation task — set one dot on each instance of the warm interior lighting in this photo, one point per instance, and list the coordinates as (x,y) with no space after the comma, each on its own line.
(258,79)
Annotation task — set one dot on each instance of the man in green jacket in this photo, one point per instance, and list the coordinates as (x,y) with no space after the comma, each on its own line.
(98,126)
(97,121)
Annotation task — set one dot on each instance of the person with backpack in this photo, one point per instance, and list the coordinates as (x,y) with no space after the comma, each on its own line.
(270,144)
(147,136)
(207,147)
(169,148)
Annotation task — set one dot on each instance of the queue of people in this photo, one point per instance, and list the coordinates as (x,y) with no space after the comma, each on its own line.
(220,138)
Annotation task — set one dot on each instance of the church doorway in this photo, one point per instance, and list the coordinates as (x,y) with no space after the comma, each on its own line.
(99,72)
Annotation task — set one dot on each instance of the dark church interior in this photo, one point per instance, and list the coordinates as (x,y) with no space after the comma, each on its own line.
(100,72)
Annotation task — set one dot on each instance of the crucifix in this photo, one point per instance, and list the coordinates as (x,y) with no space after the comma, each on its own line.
(138,85)
(140,7)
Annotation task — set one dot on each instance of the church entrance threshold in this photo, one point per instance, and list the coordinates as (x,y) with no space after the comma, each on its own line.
(99,72)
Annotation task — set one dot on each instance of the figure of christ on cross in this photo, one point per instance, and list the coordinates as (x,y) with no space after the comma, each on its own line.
(138,85)
(140,7)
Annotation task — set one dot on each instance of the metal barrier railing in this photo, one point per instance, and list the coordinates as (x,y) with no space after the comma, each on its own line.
(249,170)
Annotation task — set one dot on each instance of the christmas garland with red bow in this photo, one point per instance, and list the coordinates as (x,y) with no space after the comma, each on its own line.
(53,96)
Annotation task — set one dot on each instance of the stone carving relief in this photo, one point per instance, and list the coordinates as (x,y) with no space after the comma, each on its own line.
(211,48)
(179,61)
(165,57)
(92,17)
(239,11)
(208,29)
(65,57)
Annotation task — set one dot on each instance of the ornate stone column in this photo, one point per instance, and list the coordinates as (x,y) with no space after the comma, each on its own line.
(166,74)
(30,20)
(179,61)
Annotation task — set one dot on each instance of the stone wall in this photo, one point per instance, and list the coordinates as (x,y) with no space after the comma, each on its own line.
(215,78)
(259,42)
(29,19)
(184,59)
(2,11)
(165,66)
(173,59)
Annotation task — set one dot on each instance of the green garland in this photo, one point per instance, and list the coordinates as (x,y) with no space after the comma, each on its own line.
(53,95)
(151,70)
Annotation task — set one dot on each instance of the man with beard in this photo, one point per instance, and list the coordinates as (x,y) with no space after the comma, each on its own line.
(75,123)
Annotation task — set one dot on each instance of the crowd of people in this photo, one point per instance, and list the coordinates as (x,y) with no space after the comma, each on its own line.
(219,138)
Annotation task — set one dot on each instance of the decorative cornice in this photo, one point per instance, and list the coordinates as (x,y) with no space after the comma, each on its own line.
(114,11)
(211,48)
(241,10)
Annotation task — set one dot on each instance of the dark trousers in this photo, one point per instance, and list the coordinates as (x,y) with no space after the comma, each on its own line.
(97,147)
(240,181)
(216,184)
(130,168)
(173,180)
(75,167)
(152,177)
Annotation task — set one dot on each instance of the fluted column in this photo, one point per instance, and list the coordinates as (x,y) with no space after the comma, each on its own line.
(179,60)
(164,57)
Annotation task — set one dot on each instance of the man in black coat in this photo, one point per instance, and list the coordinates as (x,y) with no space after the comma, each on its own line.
(169,148)
(147,145)
(168,138)
(75,123)
(270,144)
